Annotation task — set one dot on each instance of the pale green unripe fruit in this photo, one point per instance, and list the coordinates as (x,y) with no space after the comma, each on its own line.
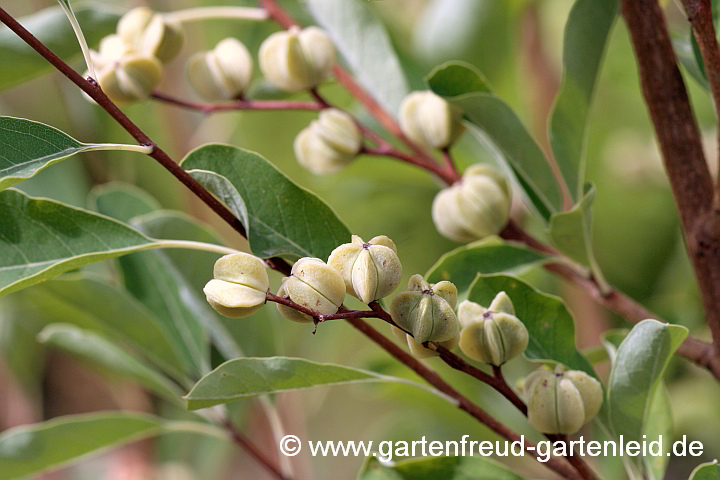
(561,402)
(329,144)
(314,285)
(476,207)
(240,282)
(130,79)
(223,73)
(371,270)
(297,60)
(491,335)
(151,33)
(427,311)
(429,120)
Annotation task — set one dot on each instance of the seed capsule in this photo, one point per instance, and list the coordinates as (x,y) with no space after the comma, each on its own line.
(476,207)
(427,311)
(223,73)
(297,60)
(130,79)
(314,285)
(561,402)
(239,285)
(429,120)
(371,270)
(151,33)
(329,144)
(491,335)
(418,349)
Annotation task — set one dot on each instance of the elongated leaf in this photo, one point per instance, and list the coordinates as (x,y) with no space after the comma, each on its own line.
(365,45)
(640,362)
(21,63)
(463,86)
(38,448)
(281,217)
(686,56)
(571,232)
(490,255)
(547,318)
(99,351)
(586,35)
(40,239)
(122,201)
(706,471)
(91,304)
(250,377)
(659,427)
(458,467)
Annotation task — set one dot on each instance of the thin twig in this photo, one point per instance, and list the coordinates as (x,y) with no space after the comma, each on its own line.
(240,438)
(449,176)
(209,108)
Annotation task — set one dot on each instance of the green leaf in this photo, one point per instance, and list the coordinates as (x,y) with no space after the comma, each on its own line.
(462,85)
(706,471)
(94,305)
(640,362)
(439,468)
(40,239)
(21,63)
(490,255)
(547,318)
(29,147)
(586,35)
(251,377)
(686,56)
(38,448)
(281,217)
(122,201)
(365,45)
(659,426)
(103,353)
(571,232)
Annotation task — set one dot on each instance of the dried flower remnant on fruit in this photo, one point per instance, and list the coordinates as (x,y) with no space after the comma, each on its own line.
(430,120)
(222,73)
(561,402)
(239,285)
(314,285)
(371,270)
(296,60)
(427,310)
(329,144)
(491,335)
(476,207)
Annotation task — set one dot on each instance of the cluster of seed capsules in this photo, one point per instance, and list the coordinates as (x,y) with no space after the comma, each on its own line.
(426,315)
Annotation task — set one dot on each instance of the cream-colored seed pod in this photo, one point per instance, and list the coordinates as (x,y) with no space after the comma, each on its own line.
(418,350)
(427,311)
(429,120)
(223,73)
(239,285)
(314,285)
(371,270)
(152,33)
(476,207)
(329,144)
(297,60)
(561,402)
(492,335)
(130,79)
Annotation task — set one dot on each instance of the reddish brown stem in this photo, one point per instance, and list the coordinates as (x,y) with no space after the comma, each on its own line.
(447,175)
(244,442)
(208,108)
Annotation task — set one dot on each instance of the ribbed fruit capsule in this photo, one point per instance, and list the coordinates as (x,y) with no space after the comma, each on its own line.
(430,120)
(491,335)
(151,33)
(371,270)
(223,73)
(239,285)
(130,79)
(314,285)
(561,402)
(329,144)
(427,311)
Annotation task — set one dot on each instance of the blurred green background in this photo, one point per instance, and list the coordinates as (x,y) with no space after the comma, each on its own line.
(518,46)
